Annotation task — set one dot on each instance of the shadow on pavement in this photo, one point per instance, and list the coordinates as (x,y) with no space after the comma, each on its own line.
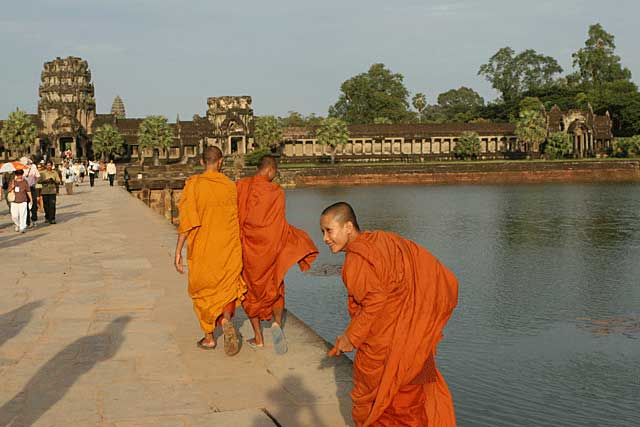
(342,371)
(66,216)
(17,239)
(55,378)
(12,322)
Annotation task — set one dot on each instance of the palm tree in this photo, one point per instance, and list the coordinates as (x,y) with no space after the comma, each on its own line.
(154,133)
(334,133)
(18,132)
(107,141)
(531,128)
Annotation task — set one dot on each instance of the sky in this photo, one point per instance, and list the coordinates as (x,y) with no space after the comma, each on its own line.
(167,56)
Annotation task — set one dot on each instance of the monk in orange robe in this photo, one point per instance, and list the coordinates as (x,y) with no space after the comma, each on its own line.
(400,298)
(209,224)
(270,247)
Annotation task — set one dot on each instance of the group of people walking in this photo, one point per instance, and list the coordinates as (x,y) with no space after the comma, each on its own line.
(34,188)
(400,297)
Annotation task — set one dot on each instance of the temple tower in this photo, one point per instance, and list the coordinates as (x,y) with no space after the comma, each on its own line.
(67,107)
(117,108)
(232,120)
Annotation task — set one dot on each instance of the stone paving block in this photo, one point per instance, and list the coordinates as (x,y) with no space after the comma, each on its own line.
(145,398)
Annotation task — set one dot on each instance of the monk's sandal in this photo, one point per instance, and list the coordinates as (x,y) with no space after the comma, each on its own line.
(231,341)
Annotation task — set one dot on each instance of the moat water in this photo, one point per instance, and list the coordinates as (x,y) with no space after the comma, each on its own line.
(547,329)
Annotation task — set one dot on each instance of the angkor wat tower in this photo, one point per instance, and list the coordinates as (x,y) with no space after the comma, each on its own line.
(67,107)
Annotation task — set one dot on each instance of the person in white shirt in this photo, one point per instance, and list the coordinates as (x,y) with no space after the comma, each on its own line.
(31,175)
(111,172)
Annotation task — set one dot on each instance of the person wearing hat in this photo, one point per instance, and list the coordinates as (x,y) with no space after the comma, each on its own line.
(20,198)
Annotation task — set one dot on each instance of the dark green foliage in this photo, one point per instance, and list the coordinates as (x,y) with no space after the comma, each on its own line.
(253,158)
(376,93)
(512,74)
(558,146)
(626,147)
(468,146)
(597,62)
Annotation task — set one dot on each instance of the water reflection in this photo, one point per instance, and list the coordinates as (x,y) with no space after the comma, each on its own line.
(531,260)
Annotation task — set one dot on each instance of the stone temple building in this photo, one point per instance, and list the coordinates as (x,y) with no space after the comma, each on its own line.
(67,119)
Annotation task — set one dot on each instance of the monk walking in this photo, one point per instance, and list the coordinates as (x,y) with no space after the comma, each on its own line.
(270,247)
(400,298)
(209,224)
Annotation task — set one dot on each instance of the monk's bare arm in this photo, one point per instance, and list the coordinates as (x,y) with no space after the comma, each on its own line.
(182,237)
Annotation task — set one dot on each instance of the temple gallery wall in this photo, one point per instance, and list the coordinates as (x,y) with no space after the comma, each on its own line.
(67,120)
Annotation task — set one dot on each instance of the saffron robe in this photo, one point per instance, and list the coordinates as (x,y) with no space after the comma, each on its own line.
(209,214)
(270,245)
(400,298)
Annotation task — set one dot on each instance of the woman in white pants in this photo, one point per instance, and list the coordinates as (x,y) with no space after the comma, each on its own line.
(21,195)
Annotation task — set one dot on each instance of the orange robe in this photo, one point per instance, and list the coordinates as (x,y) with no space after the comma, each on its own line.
(400,298)
(270,245)
(209,214)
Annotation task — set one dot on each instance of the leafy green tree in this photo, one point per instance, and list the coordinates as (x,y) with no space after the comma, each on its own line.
(597,62)
(294,119)
(382,121)
(419,102)
(18,132)
(468,146)
(558,146)
(460,105)
(154,133)
(626,147)
(333,133)
(268,132)
(512,74)
(531,103)
(253,157)
(376,93)
(107,141)
(531,129)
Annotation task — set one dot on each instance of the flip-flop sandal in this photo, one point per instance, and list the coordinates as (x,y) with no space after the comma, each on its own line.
(279,341)
(231,341)
(205,347)
(251,342)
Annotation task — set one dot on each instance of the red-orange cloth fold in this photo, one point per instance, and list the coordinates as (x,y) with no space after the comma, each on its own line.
(270,245)
(400,299)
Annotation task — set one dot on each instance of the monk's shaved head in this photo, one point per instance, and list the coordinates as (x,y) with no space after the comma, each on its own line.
(342,212)
(211,155)
(268,162)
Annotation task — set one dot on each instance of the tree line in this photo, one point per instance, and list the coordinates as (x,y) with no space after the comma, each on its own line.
(528,82)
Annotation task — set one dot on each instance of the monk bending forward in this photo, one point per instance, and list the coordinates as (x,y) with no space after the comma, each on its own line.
(209,223)
(270,247)
(400,298)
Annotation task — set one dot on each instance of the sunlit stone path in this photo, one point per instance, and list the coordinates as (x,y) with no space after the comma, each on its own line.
(96,329)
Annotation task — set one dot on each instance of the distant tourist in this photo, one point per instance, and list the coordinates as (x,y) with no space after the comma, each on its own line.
(69,177)
(6,179)
(94,169)
(20,197)
(270,247)
(39,204)
(209,223)
(103,171)
(50,181)
(400,299)
(111,172)
(31,175)
(83,171)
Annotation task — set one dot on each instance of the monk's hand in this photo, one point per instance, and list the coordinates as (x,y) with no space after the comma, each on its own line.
(343,345)
(178,263)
